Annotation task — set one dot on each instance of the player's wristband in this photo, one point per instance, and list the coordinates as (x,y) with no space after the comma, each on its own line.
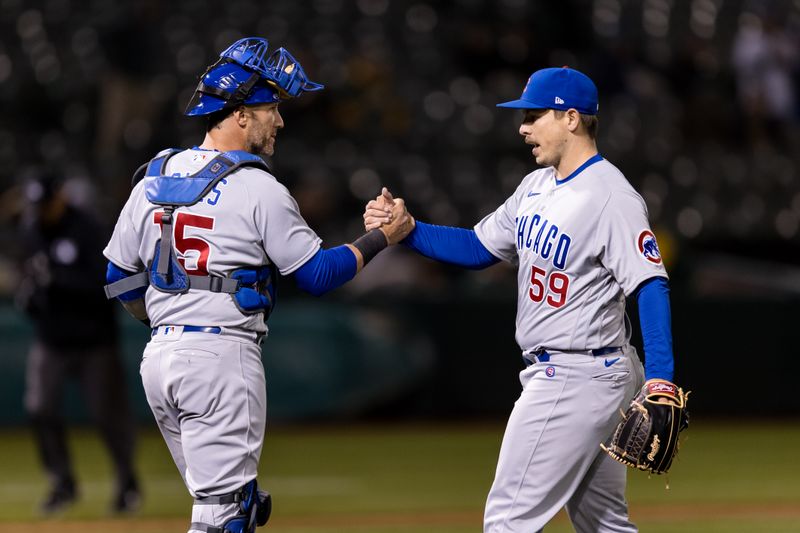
(370,244)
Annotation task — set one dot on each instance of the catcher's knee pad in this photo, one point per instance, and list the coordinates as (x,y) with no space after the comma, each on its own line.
(255,507)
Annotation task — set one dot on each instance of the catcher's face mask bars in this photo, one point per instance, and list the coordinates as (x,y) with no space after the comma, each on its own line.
(280,70)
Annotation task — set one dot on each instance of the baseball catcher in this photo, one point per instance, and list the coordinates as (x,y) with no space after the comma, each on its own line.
(196,254)
(647,436)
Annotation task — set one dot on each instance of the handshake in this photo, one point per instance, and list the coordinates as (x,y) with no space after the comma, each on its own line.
(390,215)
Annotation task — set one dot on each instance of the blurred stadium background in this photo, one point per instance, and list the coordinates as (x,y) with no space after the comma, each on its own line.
(699,108)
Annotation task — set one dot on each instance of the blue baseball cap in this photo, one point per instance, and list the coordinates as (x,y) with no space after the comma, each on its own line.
(558,88)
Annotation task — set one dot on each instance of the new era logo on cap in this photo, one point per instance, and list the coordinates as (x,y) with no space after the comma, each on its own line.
(558,88)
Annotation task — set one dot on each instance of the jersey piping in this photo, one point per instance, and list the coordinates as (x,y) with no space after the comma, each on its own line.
(589,162)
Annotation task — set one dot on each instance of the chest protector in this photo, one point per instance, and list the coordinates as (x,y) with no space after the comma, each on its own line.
(252,289)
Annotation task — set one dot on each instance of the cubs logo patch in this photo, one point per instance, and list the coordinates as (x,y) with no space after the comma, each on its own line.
(648,247)
(550,371)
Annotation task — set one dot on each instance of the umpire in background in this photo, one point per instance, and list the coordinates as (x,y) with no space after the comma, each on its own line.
(75,337)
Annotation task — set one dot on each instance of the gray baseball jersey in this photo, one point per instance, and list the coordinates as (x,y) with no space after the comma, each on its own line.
(247,220)
(581,244)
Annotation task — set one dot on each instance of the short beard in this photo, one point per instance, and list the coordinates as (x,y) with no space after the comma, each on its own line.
(258,149)
(258,145)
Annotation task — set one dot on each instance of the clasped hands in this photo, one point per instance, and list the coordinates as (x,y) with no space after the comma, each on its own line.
(390,215)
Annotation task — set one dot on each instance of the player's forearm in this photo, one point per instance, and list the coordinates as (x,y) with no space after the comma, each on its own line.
(457,246)
(654,317)
(327,269)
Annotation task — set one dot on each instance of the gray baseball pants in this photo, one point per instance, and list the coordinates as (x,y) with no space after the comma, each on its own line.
(550,457)
(208,395)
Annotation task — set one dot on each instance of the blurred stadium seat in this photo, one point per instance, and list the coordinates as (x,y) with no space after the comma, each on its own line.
(98,87)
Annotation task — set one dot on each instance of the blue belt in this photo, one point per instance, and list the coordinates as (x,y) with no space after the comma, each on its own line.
(543,356)
(196,329)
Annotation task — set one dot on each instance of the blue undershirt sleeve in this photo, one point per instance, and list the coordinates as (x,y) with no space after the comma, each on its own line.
(656,323)
(326,270)
(115,273)
(457,246)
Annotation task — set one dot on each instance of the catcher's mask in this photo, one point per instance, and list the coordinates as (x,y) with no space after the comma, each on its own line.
(244,74)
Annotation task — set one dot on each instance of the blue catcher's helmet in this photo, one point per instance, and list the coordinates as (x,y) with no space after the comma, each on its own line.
(244,75)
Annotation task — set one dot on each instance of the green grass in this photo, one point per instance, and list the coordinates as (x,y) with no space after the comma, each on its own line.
(733,463)
(729,477)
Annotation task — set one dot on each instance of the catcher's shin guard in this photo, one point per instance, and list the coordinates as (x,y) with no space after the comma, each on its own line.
(255,507)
